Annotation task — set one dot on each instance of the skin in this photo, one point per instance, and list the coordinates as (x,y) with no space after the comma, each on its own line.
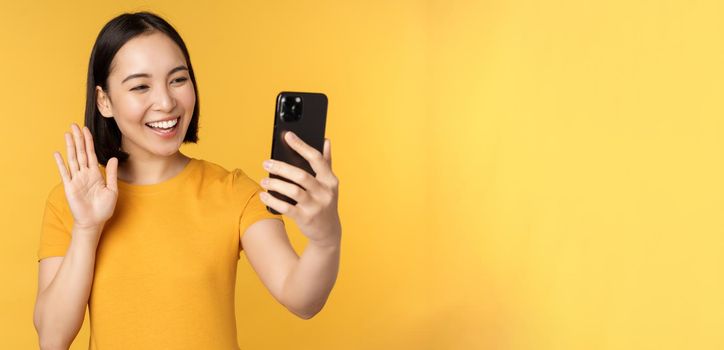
(166,91)
(300,283)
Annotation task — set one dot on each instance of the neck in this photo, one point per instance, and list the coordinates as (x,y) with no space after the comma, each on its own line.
(151,170)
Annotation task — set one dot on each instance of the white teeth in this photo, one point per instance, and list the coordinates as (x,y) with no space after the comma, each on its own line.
(164,125)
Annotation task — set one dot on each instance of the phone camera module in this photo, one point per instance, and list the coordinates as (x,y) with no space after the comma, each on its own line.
(291,108)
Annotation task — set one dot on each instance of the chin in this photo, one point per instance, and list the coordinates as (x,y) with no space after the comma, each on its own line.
(172,152)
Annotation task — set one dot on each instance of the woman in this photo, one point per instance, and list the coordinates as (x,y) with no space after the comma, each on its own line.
(148,237)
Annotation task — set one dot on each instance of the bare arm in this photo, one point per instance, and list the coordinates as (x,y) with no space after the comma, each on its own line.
(303,284)
(62,297)
(308,285)
(64,284)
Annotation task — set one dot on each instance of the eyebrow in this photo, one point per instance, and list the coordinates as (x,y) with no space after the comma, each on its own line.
(146,75)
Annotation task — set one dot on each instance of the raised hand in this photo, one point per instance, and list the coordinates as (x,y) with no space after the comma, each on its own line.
(92,199)
(316,210)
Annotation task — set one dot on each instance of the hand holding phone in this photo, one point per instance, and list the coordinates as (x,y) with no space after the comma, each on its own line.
(304,114)
(301,183)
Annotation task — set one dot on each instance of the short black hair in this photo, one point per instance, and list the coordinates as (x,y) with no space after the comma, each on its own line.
(118,31)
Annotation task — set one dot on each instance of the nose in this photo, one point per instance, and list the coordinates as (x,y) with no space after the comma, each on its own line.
(164,101)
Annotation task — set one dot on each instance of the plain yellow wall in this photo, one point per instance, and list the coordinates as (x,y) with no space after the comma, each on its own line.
(577,162)
(514,174)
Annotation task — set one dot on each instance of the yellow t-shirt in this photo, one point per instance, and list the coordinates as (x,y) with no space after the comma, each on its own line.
(166,261)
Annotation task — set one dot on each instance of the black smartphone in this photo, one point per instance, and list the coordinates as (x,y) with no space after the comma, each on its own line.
(304,114)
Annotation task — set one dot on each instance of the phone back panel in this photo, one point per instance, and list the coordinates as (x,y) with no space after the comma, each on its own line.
(310,128)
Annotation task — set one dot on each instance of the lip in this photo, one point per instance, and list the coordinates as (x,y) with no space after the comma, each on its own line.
(164,120)
(167,135)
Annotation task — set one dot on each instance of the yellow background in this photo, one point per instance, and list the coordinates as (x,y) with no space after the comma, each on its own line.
(514,174)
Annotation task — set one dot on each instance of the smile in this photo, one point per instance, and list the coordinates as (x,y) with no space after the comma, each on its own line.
(165,129)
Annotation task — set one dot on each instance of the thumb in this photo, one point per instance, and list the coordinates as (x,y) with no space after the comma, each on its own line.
(111,174)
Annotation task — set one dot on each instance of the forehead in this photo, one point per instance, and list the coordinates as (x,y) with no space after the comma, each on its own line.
(147,53)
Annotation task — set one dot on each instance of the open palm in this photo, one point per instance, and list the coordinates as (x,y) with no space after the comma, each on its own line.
(91,198)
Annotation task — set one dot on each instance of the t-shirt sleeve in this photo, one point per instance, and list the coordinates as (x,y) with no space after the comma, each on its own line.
(253,209)
(55,229)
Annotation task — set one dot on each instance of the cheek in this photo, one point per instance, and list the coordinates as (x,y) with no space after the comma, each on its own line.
(186,98)
(131,108)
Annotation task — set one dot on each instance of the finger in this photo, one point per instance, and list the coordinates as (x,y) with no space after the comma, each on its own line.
(61,167)
(327,151)
(276,204)
(70,150)
(309,153)
(330,180)
(79,147)
(288,189)
(89,148)
(112,174)
(288,171)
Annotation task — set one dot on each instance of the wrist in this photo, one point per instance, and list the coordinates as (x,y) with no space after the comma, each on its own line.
(330,243)
(84,243)
(89,228)
(86,234)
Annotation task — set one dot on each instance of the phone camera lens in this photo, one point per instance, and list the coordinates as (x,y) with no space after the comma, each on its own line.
(291,108)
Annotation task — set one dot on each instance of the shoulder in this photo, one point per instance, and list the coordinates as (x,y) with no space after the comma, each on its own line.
(56,197)
(233,177)
(212,171)
(57,208)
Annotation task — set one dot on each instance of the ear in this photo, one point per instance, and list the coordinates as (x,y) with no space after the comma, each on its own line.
(103,102)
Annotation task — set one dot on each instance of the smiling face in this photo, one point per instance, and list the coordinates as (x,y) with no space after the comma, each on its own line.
(149,82)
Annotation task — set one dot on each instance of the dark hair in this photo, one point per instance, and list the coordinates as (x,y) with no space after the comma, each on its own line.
(106,135)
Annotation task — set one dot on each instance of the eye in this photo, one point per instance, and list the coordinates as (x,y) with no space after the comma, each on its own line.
(140,87)
(180,80)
